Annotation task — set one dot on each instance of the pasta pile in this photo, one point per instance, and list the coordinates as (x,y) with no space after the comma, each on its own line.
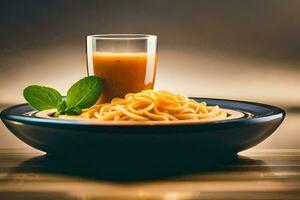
(150,105)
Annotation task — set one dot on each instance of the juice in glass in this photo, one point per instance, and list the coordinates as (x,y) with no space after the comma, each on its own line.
(124,73)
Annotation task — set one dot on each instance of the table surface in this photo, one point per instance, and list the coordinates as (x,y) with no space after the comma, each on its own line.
(254,174)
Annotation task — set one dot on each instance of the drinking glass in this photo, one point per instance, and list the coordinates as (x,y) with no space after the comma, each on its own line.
(125,62)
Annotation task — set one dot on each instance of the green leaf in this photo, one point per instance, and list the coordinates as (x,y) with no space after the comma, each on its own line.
(73,111)
(84,93)
(42,98)
(61,107)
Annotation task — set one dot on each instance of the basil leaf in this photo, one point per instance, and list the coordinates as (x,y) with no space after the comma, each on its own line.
(42,98)
(73,111)
(84,93)
(61,107)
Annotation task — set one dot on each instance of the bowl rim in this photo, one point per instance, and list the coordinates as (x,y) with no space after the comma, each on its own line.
(9,114)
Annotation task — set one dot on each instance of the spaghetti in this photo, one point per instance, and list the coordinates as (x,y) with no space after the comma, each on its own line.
(150,105)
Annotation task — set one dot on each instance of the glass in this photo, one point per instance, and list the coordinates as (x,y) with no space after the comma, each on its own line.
(125,62)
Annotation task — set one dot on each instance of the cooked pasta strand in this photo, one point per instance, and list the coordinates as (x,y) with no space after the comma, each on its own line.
(150,105)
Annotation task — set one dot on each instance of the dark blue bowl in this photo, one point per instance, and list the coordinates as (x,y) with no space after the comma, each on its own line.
(70,137)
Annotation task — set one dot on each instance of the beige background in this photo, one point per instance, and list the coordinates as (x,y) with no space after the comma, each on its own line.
(228,49)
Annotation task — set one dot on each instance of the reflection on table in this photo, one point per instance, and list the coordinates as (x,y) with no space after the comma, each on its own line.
(256,174)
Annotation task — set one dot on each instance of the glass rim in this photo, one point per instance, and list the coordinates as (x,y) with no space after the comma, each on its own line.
(112,36)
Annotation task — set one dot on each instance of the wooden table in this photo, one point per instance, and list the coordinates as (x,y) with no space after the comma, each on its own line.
(255,174)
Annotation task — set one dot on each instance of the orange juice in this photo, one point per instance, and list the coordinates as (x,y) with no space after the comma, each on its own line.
(123,73)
